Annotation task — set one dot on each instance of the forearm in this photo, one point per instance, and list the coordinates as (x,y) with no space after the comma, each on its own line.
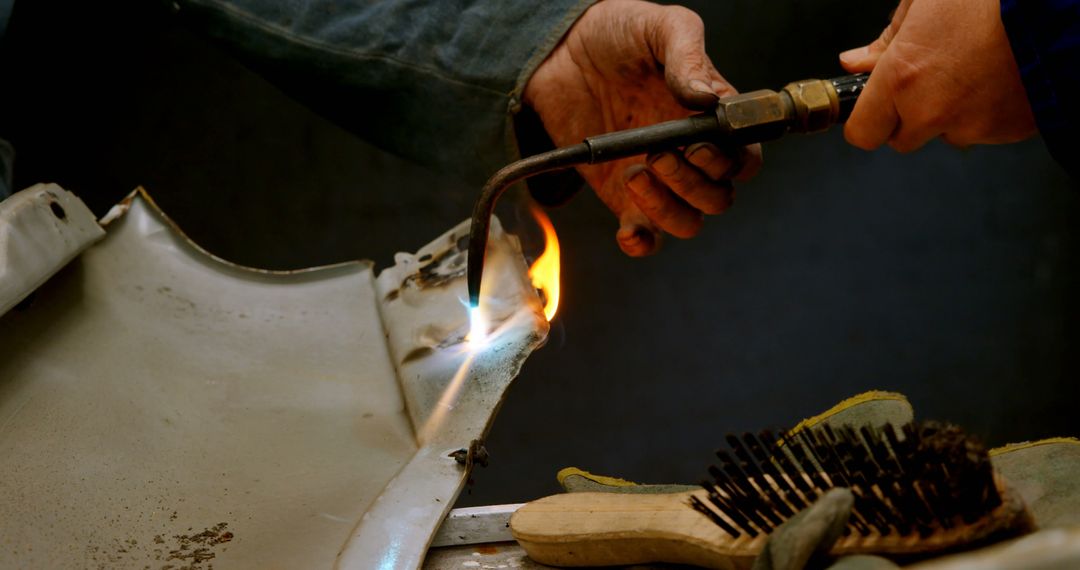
(437,82)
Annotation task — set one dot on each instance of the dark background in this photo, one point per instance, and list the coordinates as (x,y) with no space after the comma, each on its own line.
(948,275)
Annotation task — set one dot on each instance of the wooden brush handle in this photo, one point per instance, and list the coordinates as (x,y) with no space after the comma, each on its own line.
(608,529)
(614,529)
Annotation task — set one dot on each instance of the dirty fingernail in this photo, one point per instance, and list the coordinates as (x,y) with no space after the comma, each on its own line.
(720,87)
(636,240)
(637,181)
(701,155)
(665,164)
(699,85)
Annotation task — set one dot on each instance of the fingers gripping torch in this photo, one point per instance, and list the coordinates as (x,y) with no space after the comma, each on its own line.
(808,106)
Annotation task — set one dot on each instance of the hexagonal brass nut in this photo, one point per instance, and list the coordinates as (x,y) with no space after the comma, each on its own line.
(754,110)
(816,104)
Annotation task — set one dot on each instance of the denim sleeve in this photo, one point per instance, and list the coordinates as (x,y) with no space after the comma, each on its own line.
(1045,39)
(5,14)
(434,81)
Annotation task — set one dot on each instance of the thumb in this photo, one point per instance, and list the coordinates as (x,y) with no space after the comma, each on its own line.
(679,38)
(865,58)
(637,235)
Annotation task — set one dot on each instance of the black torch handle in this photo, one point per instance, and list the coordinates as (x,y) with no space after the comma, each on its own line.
(848,88)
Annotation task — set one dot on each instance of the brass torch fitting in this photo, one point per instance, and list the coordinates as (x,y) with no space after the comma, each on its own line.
(816,105)
(752,117)
(807,106)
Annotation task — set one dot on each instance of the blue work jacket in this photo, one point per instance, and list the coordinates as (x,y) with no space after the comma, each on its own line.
(1045,39)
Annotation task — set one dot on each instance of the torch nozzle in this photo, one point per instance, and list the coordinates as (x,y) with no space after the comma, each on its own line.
(557,159)
(807,106)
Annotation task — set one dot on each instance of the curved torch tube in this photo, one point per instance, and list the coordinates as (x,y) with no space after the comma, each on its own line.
(557,159)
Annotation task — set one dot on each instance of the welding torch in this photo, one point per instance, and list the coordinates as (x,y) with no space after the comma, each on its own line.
(808,106)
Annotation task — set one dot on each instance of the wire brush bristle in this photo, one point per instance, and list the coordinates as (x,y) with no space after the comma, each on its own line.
(914,479)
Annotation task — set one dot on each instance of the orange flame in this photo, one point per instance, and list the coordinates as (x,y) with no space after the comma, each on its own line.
(545,270)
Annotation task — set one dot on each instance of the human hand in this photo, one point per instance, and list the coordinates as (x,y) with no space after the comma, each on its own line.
(941,68)
(625,64)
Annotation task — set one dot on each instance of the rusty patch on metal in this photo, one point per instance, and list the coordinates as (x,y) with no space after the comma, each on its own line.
(192,550)
(182,552)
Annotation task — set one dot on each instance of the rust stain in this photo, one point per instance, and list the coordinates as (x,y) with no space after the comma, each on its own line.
(193,550)
(182,552)
(487,549)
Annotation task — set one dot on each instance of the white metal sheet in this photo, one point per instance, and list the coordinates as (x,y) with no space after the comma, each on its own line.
(159,407)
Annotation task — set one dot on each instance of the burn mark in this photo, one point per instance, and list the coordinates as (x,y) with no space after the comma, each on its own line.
(443,268)
(452,340)
(417,354)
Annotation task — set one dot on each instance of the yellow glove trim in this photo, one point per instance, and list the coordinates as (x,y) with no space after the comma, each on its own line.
(601,479)
(871,396)
(1018,446)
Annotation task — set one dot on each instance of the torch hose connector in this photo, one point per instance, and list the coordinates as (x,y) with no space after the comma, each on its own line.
(808,106)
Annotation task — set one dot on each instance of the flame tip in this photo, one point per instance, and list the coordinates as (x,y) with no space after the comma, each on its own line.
(544,272)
